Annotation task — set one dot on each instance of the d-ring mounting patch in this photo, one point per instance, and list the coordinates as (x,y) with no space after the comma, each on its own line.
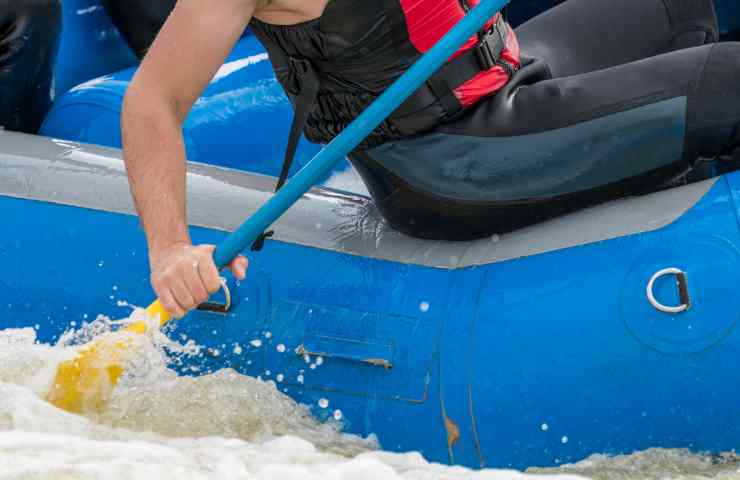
(688,308)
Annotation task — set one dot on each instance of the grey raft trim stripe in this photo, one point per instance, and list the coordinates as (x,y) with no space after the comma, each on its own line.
(69,173)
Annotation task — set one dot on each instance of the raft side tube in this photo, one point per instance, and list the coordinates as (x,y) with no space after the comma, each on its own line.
(93,177)
(243,110)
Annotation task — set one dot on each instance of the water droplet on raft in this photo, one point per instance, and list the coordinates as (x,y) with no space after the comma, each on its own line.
(280,348)
(84,316)
(319,361)
(323,403)
(280,377)
(337,414)
(300,378)
(564,440)
(495,238)
(544,427)
(267,373)
(424,307)
(312,366)
(73,323)
(237,349)
(101,263)
(268,334)
(307,358)
(115,287)
(257,343)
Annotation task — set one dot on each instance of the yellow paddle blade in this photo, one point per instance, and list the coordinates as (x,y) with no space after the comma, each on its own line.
(86,382)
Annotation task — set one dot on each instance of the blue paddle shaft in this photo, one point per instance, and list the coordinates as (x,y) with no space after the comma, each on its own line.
(360,128)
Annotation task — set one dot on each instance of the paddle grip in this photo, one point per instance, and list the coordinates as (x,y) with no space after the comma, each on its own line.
(360,128)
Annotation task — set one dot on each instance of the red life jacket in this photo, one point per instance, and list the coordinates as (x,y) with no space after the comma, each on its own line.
(333,67)
(428,20)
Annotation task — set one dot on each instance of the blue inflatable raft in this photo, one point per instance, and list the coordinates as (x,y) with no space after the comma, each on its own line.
(534,348)
(606,331)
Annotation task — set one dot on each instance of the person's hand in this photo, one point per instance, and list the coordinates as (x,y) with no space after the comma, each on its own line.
(184,275)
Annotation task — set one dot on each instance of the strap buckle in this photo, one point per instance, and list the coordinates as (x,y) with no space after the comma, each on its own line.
(491,44)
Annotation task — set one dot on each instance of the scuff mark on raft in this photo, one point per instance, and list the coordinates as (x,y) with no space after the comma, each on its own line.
(453,431)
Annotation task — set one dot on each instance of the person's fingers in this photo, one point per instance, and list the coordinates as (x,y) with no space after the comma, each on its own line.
(239,266)
(194,283)
(208,271)
(182,295)
(162,289)
(184,276)
(168,302)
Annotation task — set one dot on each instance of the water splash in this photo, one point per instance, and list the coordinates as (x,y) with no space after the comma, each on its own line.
(227,426)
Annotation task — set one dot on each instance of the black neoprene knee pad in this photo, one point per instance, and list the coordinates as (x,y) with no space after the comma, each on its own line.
(139,21)
(29,38)
(694,22)
(713,112)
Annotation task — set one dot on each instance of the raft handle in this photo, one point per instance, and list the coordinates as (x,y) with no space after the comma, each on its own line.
(683,291)
(216,307)
(364,352)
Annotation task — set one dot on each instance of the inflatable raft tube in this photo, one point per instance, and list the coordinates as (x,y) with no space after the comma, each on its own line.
(90,45)
(534,348)
(241,121)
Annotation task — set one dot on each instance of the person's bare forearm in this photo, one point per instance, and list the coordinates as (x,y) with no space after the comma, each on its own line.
(155,161)
(186,54)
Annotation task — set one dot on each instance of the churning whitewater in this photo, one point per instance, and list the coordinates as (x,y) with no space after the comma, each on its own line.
(227,426)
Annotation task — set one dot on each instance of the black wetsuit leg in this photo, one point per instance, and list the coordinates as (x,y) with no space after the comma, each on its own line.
(617,98)
(29,39)
(139,21)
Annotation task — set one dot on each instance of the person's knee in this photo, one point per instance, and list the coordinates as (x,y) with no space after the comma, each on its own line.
(29,22)
(29,36)
(139,20)
(722,68)
(11,10)
(714,100)
(694,23)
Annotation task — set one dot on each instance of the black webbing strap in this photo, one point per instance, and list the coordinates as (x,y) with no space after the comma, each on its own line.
(462,68)
(306,89)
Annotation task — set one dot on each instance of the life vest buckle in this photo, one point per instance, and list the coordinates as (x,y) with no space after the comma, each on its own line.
(491,45)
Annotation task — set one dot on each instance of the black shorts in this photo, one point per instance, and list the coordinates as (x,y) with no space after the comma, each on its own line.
(615,98)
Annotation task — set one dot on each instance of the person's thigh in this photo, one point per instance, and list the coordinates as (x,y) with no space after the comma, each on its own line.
(581,36)
(540,149)
(703,81)
(29,37)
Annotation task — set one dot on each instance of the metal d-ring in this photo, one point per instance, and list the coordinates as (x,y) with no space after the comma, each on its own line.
(683,291)
(215,306)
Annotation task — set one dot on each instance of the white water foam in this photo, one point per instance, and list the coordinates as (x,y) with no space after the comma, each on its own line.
(227,426)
